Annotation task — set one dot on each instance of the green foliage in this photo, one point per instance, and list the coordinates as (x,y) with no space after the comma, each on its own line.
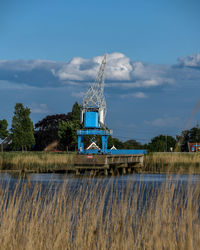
(47,130)
(59,127)
(182,141)
(3,129)
(67,132)
(76,112)
(192,135)
(22,128)
(161,143)
(115,142)
(132,144)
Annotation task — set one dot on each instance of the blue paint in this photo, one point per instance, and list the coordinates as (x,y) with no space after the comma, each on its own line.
(115,152)
(94,132)
(127,151)
(91,120)
(104,137)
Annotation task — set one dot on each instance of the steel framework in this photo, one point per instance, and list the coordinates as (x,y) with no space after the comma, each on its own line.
(94,97)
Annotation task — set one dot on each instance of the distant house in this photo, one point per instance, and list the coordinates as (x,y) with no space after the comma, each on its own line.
(5,143)
(194,146)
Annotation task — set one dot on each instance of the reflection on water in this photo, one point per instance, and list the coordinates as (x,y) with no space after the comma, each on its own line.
(46,179)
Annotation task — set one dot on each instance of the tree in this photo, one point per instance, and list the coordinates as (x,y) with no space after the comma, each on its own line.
(132,144)
(22,128)
(161,143)
(3,129)
(76,112)
(47,130)
(67,132)
(182,141)
(192,135)
(115,142)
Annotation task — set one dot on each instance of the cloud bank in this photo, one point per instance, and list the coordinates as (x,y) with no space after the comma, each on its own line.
(123,76)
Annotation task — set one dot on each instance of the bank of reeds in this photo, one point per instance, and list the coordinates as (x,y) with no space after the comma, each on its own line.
(100,215)
(172,163)
(35,161)
(51,162)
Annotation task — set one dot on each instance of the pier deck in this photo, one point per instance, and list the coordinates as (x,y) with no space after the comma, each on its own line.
(108,163)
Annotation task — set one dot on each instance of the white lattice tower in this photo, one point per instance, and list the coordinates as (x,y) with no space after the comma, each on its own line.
(94,97)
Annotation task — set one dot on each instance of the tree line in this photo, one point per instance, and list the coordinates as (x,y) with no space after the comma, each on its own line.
(61,130)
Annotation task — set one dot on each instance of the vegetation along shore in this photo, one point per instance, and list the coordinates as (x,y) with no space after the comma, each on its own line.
(35,161)
(44,162)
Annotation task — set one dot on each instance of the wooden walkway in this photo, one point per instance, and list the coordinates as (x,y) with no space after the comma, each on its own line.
(108,164)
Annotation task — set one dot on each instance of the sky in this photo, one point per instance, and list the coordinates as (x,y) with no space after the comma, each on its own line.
(50,52)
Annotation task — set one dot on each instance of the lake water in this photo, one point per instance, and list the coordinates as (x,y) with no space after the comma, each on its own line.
(147,180)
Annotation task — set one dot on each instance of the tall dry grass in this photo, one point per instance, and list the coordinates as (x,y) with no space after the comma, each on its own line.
(173,162)
(50,162)
(36,161)
(96,214)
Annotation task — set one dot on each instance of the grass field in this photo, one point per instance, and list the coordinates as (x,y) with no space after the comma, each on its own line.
(173,162)
(36,161)
(99,216)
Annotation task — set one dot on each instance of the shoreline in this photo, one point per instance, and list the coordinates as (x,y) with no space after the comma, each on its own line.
(62,162)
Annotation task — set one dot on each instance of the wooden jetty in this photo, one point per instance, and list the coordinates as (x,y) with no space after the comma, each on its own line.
(108,164)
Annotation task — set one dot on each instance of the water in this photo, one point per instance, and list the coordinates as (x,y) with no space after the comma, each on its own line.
(148,181)
(60,178)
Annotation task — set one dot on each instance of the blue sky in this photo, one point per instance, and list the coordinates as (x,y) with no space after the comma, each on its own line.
(50,51)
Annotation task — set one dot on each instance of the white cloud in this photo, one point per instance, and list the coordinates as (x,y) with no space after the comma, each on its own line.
(37,108)
(190,61)
(78,69)
(139,95)
(121,73)
(118,67)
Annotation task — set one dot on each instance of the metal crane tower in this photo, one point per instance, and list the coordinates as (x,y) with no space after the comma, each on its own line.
(94,99)
(93,112)
(93,117)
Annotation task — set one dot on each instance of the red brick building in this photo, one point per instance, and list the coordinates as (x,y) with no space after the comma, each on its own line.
(194,146)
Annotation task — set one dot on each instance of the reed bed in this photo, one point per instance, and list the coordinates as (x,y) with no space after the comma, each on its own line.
(173,162)
(100,214)
(37,161)
(51,162)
